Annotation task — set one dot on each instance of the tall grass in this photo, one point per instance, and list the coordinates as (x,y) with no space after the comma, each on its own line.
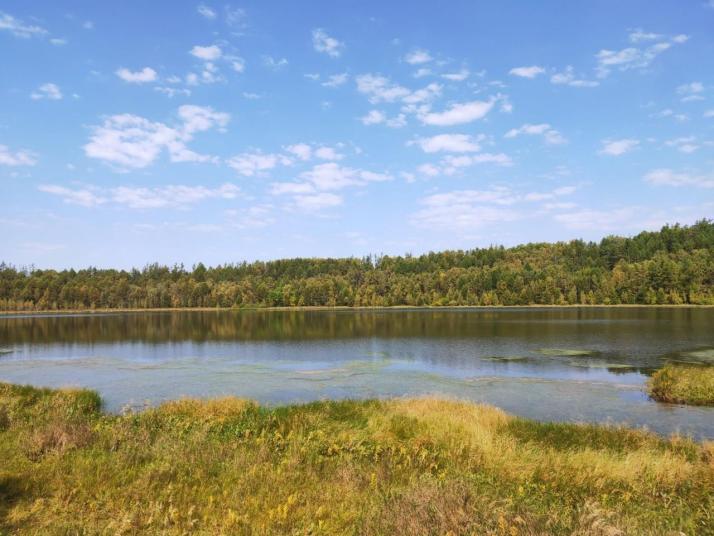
(683,384)
(404,466)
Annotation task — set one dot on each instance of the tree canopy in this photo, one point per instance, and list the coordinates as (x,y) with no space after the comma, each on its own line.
(672,266)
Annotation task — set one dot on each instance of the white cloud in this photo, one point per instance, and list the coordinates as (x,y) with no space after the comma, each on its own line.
(336,80)
(18,158)
(430,170)
(172,91)
(688,89)
(141,197)
(685,144)
(58,41)
(322,42)
(550,135)
(18,28)
(668,177)
(458,113)
(84,197)
(459,76)
(422,72)
(568,78)
(467,209)
(207,53)
(316,202)
(332,176)
(451,143)
(301,150)
(147,74)
(618,147)
(373,117)
(328,153)
(668,112)
(639,35)
(47,91)
(527,72)
(273,63)
(425,94)
(417,57)
(250,164)
(131,141)
(238,64)
(634,57)
(600,220)
(379,89)
(206,12)
(709,113)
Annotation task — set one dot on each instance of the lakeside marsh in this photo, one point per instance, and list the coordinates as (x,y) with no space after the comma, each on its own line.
(401,466)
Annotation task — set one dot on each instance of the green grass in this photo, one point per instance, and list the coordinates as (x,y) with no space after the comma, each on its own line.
(404,466)
(683,384)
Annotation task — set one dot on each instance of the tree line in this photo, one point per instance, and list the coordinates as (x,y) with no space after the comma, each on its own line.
(672,266)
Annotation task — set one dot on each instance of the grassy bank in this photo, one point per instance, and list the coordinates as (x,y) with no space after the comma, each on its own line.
(420,466)
(683,384)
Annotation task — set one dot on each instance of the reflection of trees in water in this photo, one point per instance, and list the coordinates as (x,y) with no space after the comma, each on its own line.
(536,324)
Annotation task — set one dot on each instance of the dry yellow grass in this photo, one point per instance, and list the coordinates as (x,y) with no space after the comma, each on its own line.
(413,467)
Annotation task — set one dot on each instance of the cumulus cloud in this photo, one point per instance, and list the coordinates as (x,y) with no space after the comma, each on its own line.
(18,28)
(17,158)
(47,91)
(460,210)
(326,44)
(668,177)
(141,197)
(147,74)
(550,135)
(618,147)
(131,141)
(373,117)
(206,12)
(691,92)
(684,144)
(458,76)
(458,113)
(207,53)
(417,57)
(255,163)
(527,72)
(568,78)
(450,143)
(635,57)
(335,80)
(379,89)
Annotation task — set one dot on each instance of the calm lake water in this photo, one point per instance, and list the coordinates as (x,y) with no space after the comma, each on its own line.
(574,364)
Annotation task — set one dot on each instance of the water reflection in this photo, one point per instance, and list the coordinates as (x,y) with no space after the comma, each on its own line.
(565,364)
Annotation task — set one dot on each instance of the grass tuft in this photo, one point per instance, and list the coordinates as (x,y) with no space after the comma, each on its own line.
(683,384)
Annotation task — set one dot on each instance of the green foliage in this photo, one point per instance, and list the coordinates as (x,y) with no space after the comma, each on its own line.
(672,266)
(405,466)
(683,384)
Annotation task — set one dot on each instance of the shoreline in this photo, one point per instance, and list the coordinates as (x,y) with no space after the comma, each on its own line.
(46,312)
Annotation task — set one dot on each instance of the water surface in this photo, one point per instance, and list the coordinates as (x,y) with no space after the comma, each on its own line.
(565,364)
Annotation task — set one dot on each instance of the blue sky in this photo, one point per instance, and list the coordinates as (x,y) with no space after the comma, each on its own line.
(134,132)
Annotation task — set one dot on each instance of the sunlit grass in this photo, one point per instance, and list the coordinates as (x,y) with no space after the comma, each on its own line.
(683,384)
(404,466)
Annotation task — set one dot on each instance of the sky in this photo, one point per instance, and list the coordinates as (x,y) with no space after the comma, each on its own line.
(181,132)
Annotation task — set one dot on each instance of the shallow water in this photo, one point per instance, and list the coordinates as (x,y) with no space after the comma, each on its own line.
(570,364)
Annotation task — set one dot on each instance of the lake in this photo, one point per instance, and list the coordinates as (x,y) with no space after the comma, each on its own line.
(564,364)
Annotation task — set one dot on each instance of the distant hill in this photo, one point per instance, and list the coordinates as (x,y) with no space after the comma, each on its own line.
(672,266)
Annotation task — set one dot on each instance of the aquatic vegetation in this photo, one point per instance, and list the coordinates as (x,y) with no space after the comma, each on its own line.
(566,352)
(683,384)
(705,355)
(403,466)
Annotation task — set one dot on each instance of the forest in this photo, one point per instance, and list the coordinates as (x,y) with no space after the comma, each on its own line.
(674,265)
